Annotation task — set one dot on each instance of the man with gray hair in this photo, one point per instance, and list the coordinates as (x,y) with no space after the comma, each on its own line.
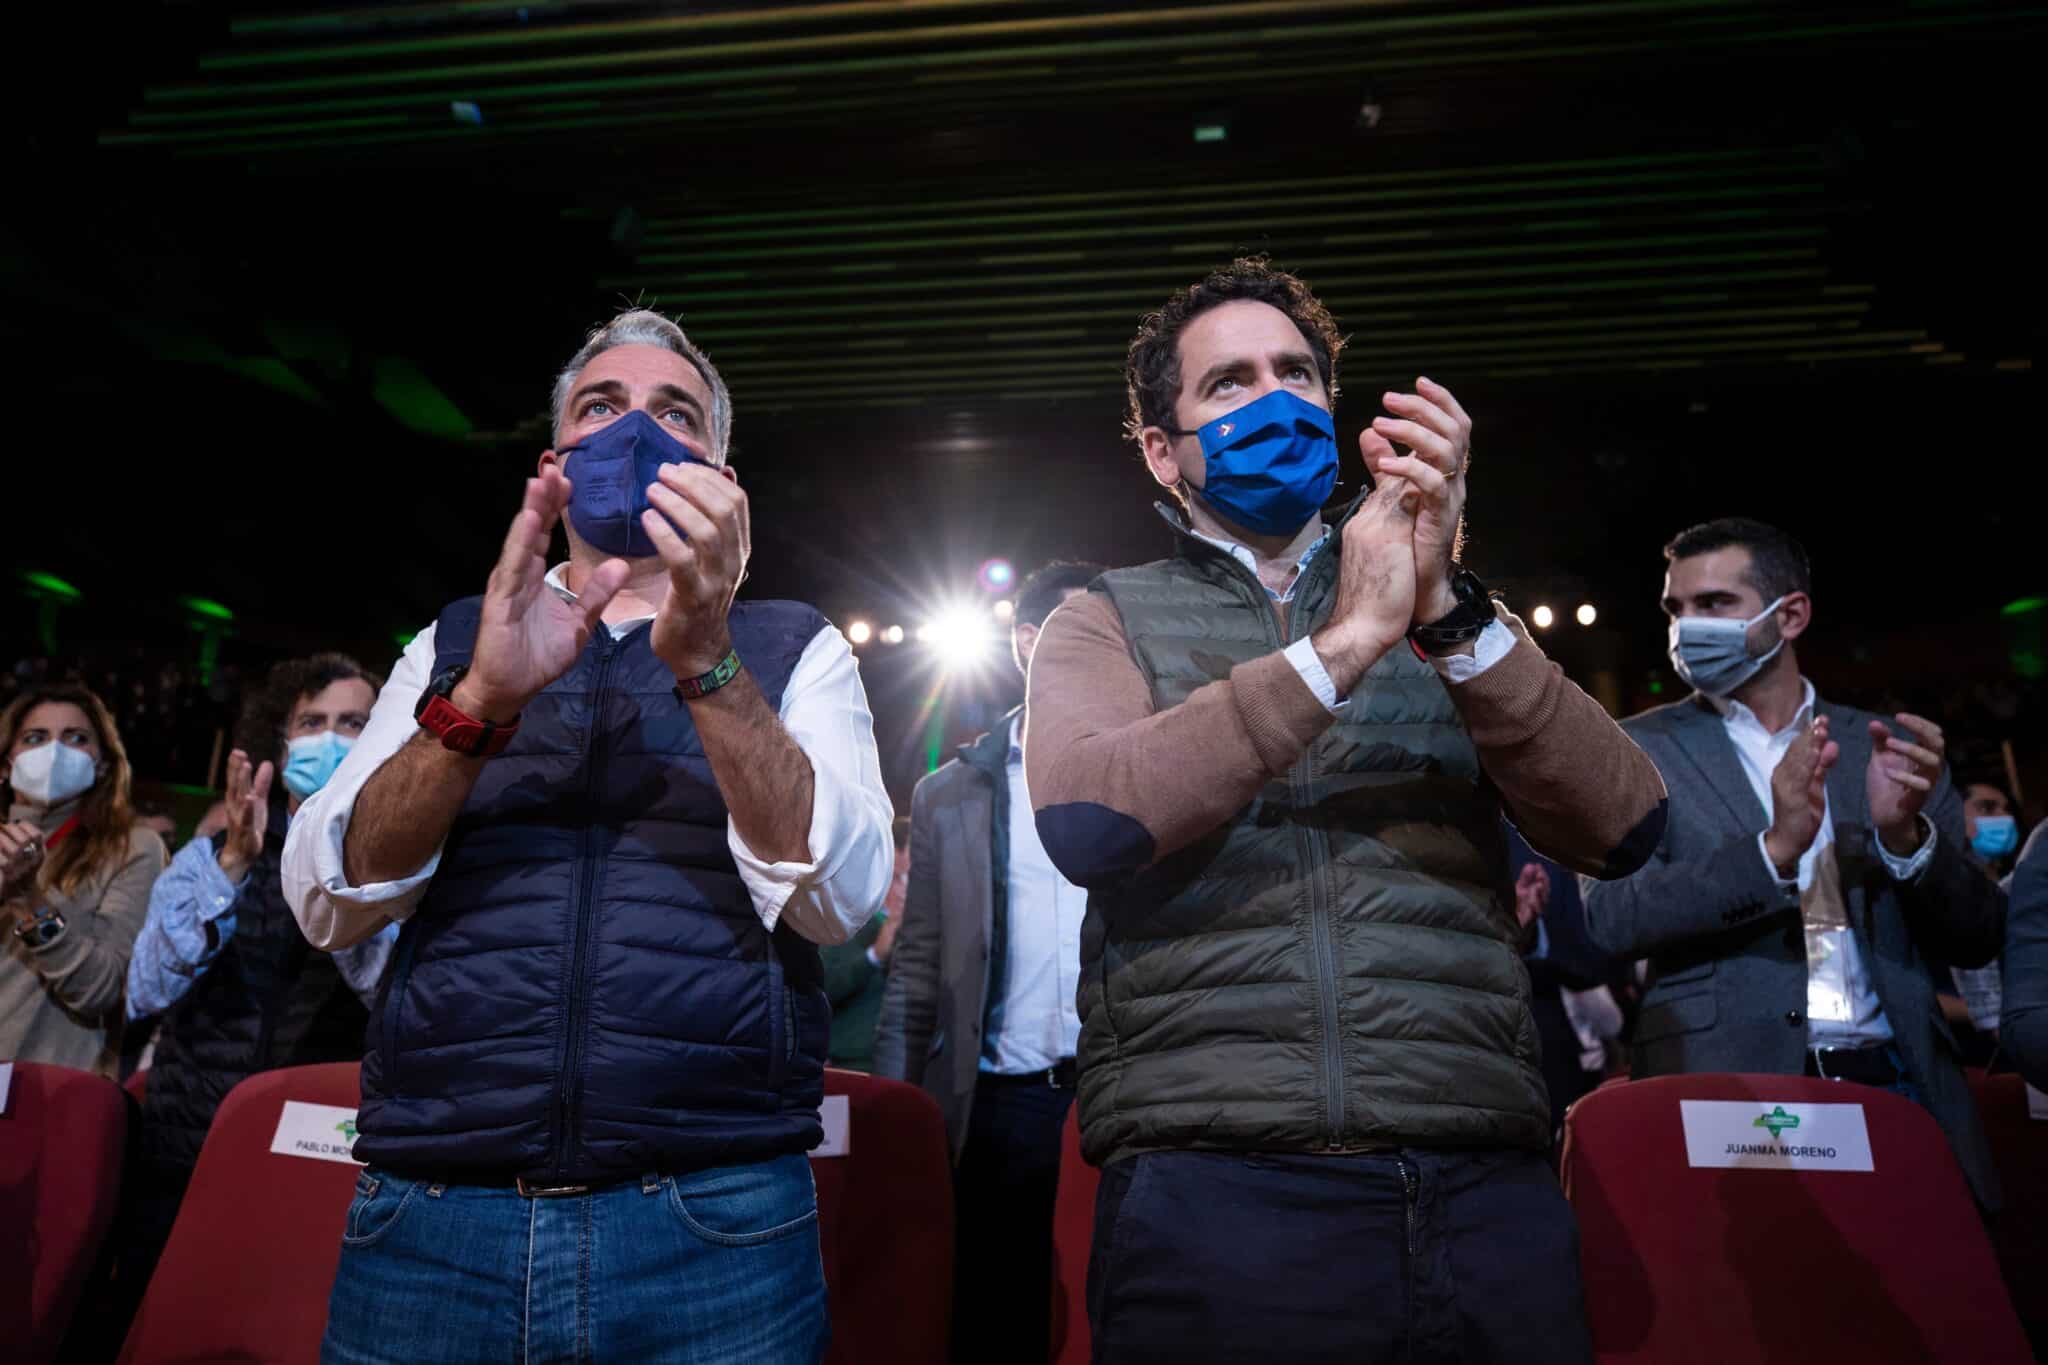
(614,811)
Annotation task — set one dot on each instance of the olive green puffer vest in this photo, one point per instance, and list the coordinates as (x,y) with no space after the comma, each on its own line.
(1333,969)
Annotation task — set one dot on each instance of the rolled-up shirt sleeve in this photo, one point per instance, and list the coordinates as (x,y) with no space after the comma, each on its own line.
(828,899)
(332,913)
(191,918)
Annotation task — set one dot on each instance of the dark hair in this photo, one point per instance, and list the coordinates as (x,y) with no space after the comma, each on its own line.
(899,832)
(1041,592)
(1777,563)
(259,732)
(1152,366)
(1996,781)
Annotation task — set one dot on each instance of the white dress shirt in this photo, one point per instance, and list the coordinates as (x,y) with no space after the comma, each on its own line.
(1489,648)
(826,900)
(1842,1008)
(1037,1022)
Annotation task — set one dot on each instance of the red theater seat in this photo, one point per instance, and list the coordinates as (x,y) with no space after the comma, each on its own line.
(246,1273)
(885,1221)
(1689,1264)
(1073,1231)
(137,1085)
(62,1136)
(2019,1144)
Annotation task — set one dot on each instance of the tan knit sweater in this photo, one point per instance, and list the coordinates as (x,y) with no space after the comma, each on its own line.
(62,1004)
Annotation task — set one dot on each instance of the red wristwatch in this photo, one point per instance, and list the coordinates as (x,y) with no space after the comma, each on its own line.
(456,729)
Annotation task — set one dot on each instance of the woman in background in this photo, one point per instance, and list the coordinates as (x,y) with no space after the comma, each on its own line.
(75,874)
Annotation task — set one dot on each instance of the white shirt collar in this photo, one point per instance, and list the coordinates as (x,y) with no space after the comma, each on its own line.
(1736,714)
(558,582)
(1250,561)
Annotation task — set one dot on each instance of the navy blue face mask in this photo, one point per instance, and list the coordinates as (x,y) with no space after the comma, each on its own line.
(1271,463)
(609,477)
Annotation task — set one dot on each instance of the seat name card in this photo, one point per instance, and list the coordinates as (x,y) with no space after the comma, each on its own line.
(838,1120)
(324,1132)
(1770,1136)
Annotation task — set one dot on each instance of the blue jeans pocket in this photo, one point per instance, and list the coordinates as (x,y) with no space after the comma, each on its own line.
(380,1201)
(737,1206)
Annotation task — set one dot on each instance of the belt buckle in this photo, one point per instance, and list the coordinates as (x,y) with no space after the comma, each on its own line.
(532,1191)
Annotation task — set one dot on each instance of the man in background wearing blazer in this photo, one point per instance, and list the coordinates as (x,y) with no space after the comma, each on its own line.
(1813,870)
(980,1010)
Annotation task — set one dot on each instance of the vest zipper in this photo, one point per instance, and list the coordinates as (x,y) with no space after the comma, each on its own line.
(579,963)
(1315,858)
(1319,870)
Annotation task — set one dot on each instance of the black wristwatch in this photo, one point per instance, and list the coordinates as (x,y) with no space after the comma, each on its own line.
(1462,624)
(44,929)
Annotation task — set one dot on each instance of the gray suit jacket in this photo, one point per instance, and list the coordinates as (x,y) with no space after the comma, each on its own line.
(1727,953)
(937,992)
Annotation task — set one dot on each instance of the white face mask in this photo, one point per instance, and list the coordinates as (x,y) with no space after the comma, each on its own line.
(51,774)
(1712,652)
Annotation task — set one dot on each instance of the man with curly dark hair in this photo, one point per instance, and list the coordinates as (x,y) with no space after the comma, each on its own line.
(220,957)
(1279,762)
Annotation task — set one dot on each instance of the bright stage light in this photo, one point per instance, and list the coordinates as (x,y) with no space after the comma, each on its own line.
(996,575)
(860,632)
(1543,616)
(893,635)
(1587,614)
(1004,609)
(959,636)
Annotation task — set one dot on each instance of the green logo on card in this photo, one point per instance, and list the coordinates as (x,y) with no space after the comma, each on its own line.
(1777,1121)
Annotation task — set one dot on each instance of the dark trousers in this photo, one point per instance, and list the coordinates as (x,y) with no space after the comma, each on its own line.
(1003,1192)
(1421,1258)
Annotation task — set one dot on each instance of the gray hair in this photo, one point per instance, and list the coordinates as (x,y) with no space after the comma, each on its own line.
(645,327)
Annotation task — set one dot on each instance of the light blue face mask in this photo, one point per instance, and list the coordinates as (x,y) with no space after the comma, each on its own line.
(1996,836)
(1271,463)
(310,761)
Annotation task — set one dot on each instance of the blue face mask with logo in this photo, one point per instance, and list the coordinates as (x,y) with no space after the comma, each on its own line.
(609,472)
(1996,836)
(310,761)
(1271,463)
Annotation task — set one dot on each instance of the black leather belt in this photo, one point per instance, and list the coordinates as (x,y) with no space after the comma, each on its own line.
(1863,1065)
(1059,1076)
(529,1189)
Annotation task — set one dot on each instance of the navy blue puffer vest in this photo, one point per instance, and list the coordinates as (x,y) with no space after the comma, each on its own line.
(586,992)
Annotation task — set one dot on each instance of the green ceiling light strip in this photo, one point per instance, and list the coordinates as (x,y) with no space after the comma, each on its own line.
(1479,232)
(206,608)
(1303,264)
(345,20)
(1151,48)
(728,243)
(49,586)
(890,295)
(536,34)
(1124,314)
(240,131)
(999,348)
(1078,359)
(412,399)
(1150,45)
(1489,172)
(833,381)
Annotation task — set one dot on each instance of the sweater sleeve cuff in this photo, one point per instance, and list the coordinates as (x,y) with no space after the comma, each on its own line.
(1281,715)
(1309,664)
(1488,649)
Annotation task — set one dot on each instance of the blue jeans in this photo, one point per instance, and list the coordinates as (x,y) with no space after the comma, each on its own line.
(718,1267)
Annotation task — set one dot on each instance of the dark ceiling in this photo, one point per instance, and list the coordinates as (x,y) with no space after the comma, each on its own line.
(288,289)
